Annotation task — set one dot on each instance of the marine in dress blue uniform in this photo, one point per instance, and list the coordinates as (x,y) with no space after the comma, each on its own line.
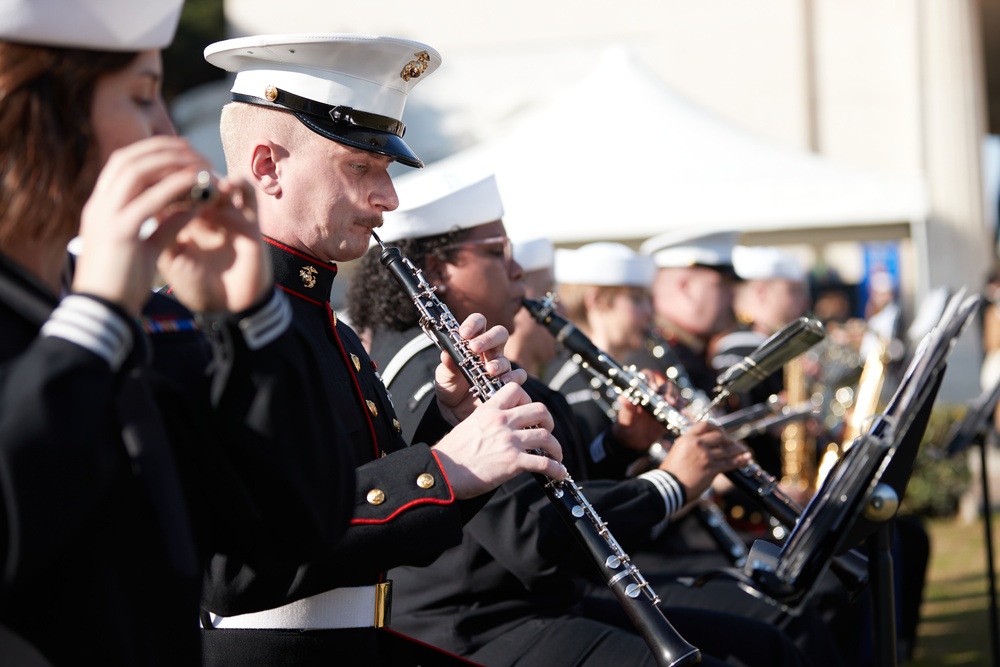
(349,89)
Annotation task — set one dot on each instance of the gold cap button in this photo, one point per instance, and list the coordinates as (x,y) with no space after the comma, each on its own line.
(270,93)
(376,497)
(425,481)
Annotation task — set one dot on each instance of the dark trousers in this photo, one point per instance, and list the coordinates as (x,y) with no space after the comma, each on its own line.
(360,647)
(574,641)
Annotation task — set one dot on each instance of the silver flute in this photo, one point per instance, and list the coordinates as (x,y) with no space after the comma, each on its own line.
(633,592)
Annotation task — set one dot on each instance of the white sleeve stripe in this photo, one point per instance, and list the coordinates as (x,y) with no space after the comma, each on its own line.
(669,488)
(91,325)
(268,323)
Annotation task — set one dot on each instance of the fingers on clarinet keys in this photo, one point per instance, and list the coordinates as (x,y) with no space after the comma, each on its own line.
(204,191)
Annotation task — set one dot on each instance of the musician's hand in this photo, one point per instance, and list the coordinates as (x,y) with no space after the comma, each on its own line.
(218,263)
(454,398)
(141,181)
(703,452)
(634,427)
(496,443)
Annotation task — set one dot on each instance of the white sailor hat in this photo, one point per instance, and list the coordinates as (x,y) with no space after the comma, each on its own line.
(432,203)
(685,247)
(100,25)
(533,254)
(348,88)
(766,263)
(604,264)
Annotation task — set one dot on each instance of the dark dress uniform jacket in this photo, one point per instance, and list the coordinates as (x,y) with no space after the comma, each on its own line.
(101,557)
(518,561)
(395,520)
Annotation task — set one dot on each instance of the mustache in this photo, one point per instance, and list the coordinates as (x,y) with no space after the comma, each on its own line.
(374,221)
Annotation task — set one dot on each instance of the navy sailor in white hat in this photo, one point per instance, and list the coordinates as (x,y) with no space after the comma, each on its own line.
(315,122)
(692,300)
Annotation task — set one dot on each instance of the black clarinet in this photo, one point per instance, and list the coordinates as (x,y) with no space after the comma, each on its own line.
(640,602)
(633,387)
(757,483)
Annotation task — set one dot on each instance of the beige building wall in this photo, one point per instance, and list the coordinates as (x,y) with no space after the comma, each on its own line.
(893,85)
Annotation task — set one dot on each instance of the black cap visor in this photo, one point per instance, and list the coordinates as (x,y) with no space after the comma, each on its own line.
(376,141)
(352,127)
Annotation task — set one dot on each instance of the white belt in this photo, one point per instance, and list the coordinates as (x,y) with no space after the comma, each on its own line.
(357,607)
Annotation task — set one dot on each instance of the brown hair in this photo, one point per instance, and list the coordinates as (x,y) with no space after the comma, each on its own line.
(572,298)
(376,301)
(47,144)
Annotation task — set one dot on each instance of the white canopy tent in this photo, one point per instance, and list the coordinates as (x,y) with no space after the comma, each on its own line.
(620,156)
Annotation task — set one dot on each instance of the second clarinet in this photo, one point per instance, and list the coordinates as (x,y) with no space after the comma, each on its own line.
(633,592)
(757,483)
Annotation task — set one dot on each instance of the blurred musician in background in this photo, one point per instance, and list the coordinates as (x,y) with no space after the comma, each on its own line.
(772,293)
(603,289)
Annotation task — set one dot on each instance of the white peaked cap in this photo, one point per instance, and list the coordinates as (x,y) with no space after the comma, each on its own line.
(686,247)
(533,254)
(766,263)
(100,25)
(604,264)
(348,88)
(432,203)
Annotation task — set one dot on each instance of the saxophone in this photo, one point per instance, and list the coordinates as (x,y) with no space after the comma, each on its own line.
(798,449)
(633,592)
(864,406)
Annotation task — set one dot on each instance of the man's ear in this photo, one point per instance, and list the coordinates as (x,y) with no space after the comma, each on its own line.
(265,167)
(590,300)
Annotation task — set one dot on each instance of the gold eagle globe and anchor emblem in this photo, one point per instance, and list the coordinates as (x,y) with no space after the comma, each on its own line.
(415,68)
(308,275)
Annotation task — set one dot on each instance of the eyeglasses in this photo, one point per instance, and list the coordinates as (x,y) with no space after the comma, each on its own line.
(502,243)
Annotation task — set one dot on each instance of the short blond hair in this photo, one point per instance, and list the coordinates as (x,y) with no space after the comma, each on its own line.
(241,124)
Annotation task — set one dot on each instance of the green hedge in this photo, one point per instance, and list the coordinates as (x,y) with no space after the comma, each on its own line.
(937,483)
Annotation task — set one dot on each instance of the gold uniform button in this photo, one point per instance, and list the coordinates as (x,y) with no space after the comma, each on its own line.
(376,497)
(425,481)
(372,408)
(357,362)
(399,428)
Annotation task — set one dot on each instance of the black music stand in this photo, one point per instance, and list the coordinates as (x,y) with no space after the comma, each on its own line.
(859,497)
(974,430)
